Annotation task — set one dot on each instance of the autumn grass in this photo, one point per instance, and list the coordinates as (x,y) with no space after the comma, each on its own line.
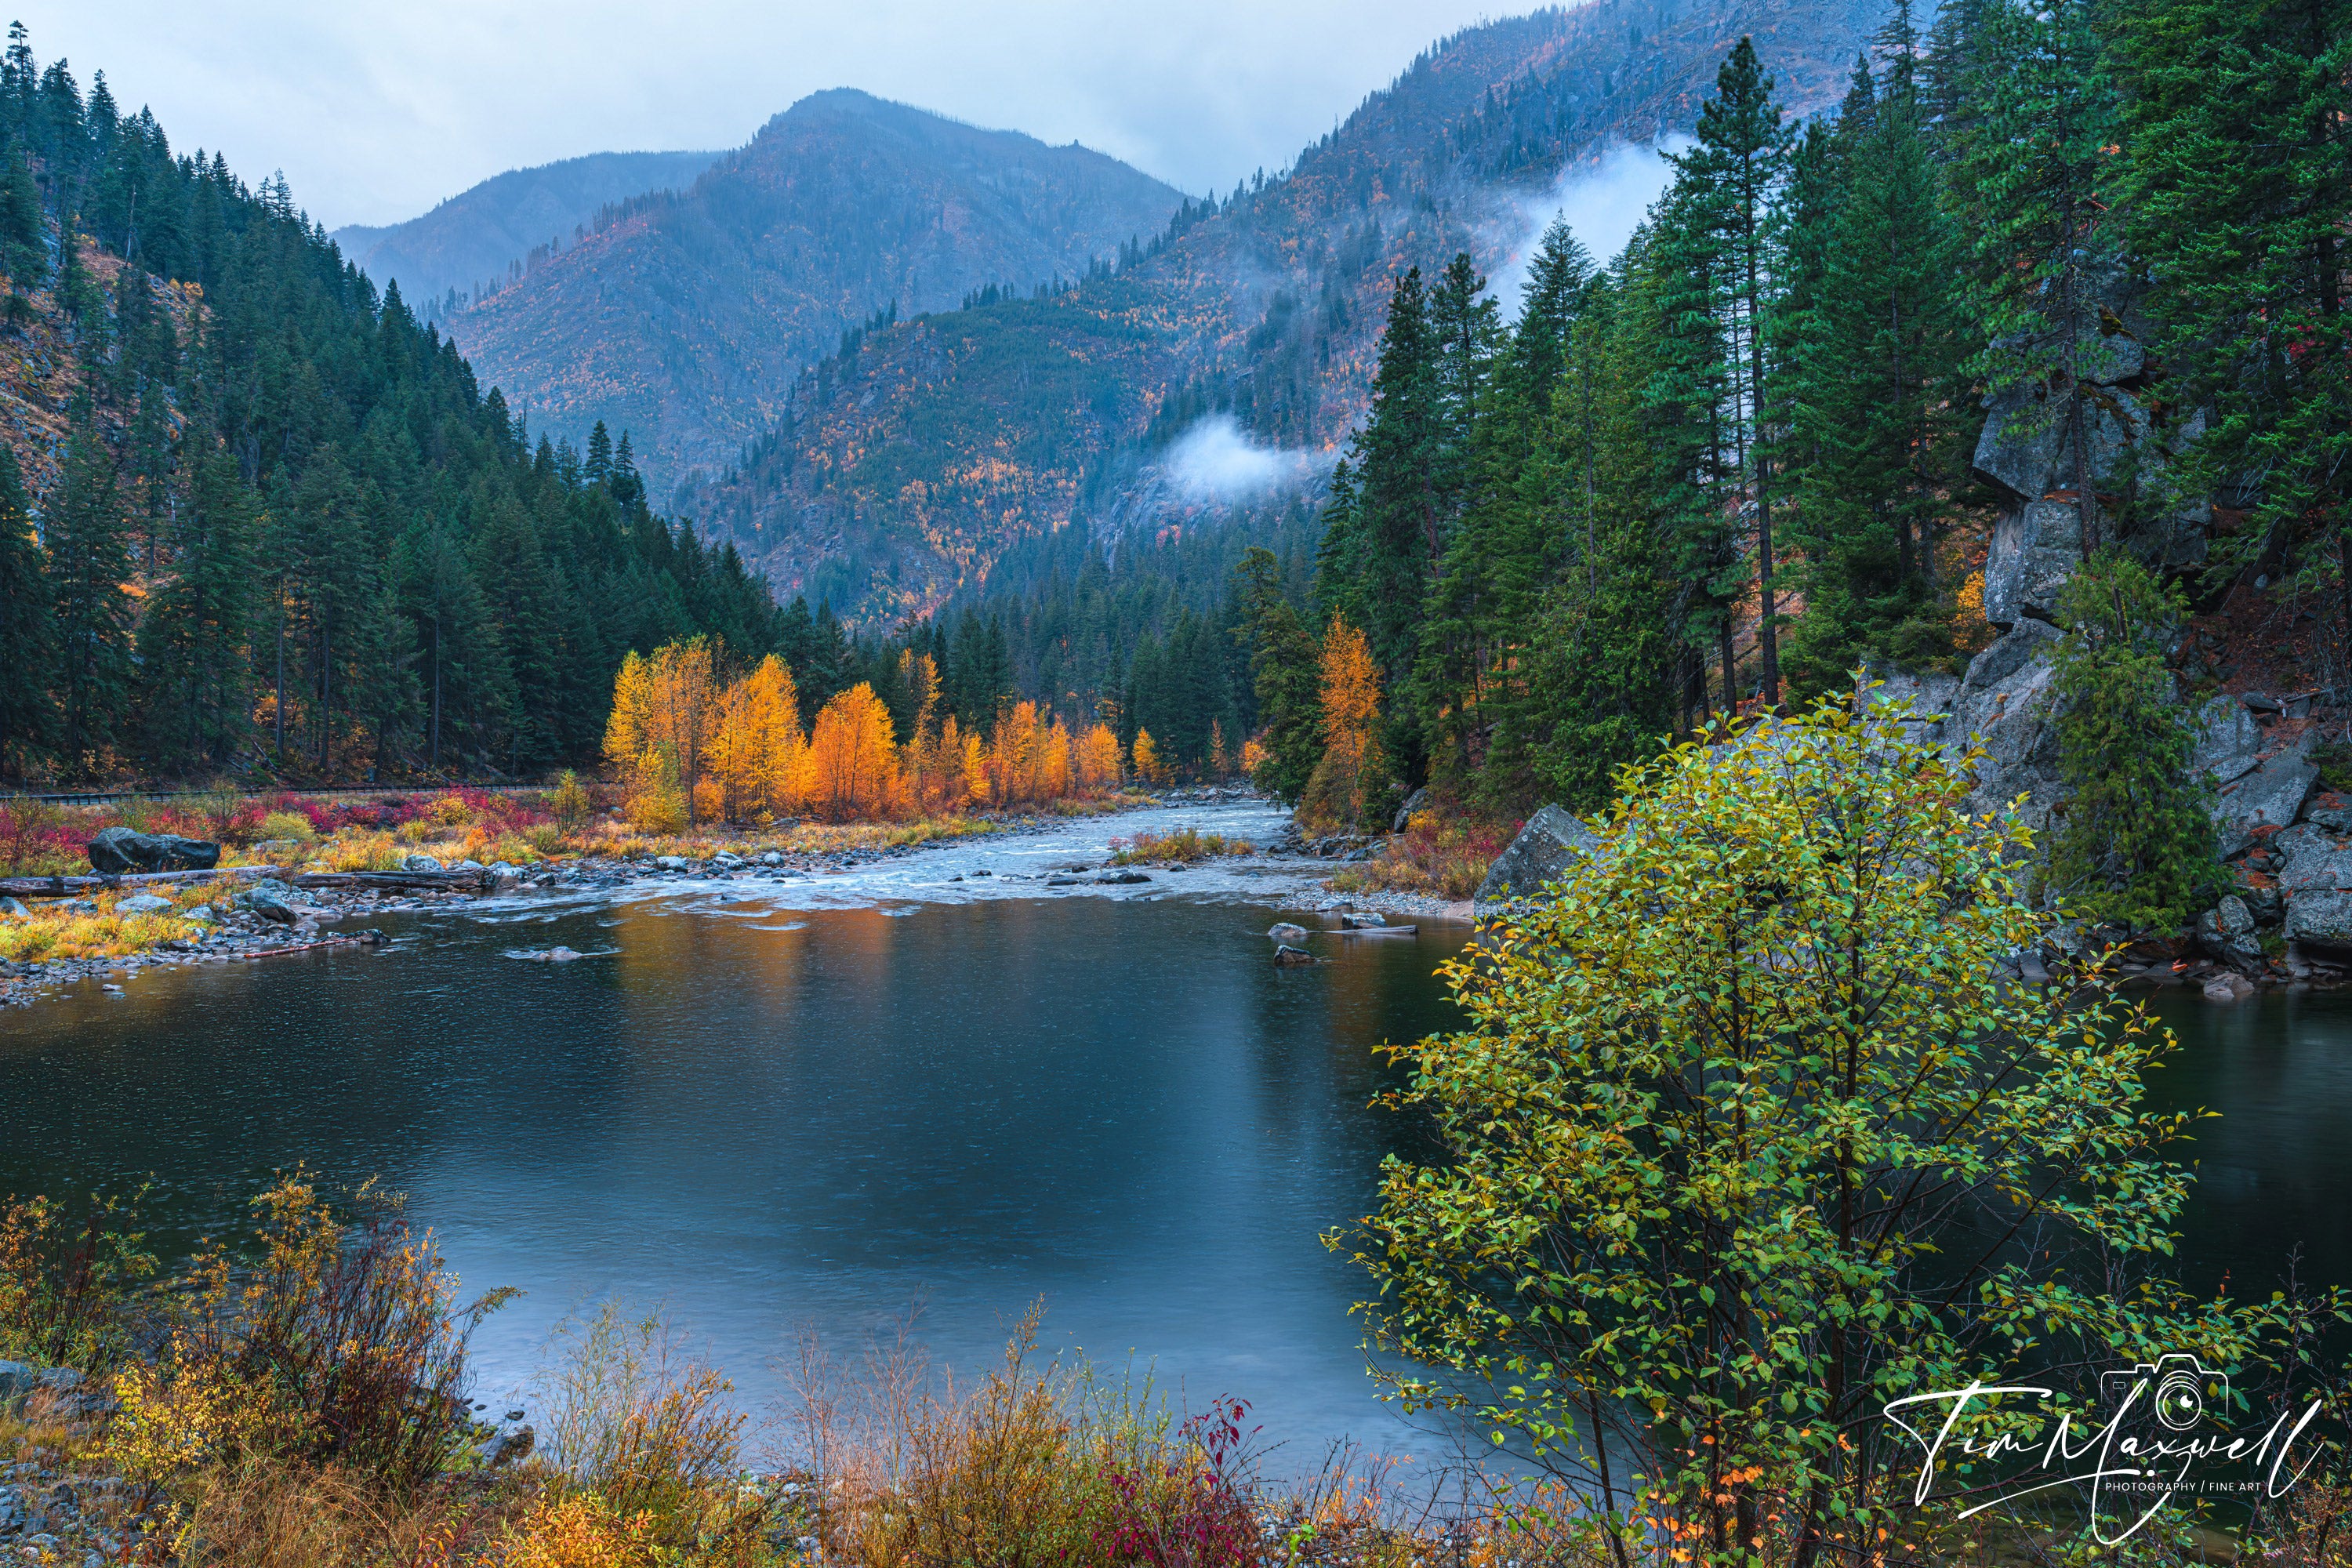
(1435,857)
(1186,844)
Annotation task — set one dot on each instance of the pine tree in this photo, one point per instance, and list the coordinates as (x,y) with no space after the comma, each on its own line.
(89,566)
(194,644)
(29,630)
(2234,189)
(2028,178)
(1283,666)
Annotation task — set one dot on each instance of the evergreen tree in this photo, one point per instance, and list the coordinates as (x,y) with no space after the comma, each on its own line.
(29,630)
(194,644)
(89,564)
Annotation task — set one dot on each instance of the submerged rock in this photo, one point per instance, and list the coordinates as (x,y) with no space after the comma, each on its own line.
(1287,931)
(1286,956)
(119,851)
(1552,844)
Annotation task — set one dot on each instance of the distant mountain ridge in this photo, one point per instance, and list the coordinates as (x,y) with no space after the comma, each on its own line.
(686,316)
(476,236)
(900,472)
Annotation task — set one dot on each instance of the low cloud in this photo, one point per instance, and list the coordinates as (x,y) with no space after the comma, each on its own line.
(1216,462)
(1604,201)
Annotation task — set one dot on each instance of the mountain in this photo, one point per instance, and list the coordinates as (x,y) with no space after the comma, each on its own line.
(685,316)
(477,241)
(903,469)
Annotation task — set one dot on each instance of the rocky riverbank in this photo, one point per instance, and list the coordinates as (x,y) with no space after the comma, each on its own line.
(271,914)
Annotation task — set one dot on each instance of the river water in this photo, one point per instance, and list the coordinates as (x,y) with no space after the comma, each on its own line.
(821,1103)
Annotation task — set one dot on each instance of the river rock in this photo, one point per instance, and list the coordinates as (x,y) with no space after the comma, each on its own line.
(419,863)
(2229,988)
(2227,933)
(119,851)
(1552,844)
(141,904)
(16,909)
(1286,956)
(1122,879)
(1287,931)
(669,862)
(269,901)
(2271,795)
(1362,921)
(548,956)
(201,914)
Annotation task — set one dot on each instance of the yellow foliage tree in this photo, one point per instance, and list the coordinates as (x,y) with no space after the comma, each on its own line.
(668,704)
(854,762)
(1097,760)
(1148,765)
(758,755)
(1219,764)
(1353,766)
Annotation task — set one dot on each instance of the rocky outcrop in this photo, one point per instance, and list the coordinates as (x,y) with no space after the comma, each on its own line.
(1551,844)
(120,851)
(2269,794)
(2035,548)
(2227,934)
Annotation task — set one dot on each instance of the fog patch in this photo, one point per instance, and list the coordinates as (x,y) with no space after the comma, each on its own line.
(1603,202)
(1216,462)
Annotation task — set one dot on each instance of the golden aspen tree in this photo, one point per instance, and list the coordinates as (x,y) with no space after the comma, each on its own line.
(1011,755)
(757,753)
(853,757)
(668,703)
(1049,769)
(1219,763)
(973,765)
(1148,765)
(1098,759)
(1353,766)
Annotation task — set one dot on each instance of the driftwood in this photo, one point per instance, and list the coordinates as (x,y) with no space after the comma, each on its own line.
(393,879)
(1377,930)
(67,886)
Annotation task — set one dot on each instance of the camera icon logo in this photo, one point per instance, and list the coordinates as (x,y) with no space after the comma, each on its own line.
(2177,1388)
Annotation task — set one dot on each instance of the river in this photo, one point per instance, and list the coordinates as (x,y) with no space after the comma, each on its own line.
(820,1103)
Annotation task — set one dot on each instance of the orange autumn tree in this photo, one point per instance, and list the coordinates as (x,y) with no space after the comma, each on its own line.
(666,712)
(758,753)
(853,758)
(1352,771)
(1028,757)
(1098,759)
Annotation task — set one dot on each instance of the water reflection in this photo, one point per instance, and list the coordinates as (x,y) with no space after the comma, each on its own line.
(1116,1104)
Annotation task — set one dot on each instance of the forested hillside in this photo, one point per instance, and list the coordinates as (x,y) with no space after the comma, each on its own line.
(2041,332)
(685,317)
(255,520)
(905,467)
(484,239)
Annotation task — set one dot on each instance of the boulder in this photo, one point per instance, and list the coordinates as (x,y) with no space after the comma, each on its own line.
(1362,921)
(2227,934)
(141,904)
(202,914)
(419,863)
(1286,933)
(1413,802)
(2036,548)
(271,902)
(16,909)
(2329,810)
(670,862)
(2271,795)
(120,851)
(2229,988)
(1121,878)
(18,1378)
(1552,845)
(2229,741)
(2321,918)
(1286,956)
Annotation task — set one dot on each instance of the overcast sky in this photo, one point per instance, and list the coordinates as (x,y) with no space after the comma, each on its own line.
(375,113)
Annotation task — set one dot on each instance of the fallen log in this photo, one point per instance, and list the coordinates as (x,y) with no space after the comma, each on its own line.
(1377,930)
(393,879)
(65,886)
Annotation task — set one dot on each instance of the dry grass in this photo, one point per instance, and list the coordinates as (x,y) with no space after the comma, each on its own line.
(1434,856)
